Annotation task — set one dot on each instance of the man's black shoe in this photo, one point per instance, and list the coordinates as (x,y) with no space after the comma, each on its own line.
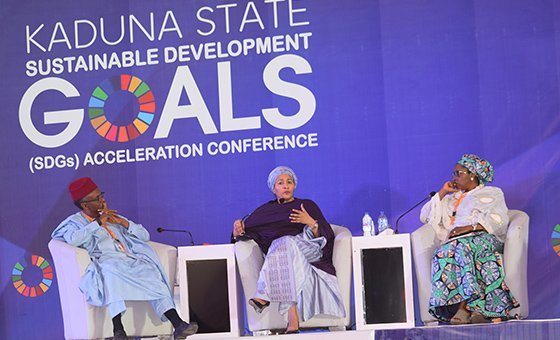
(120,334)
(184,330)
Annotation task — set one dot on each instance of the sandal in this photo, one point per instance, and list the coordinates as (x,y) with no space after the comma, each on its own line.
(291,331)
(460,318)
(479,318)
(259,307)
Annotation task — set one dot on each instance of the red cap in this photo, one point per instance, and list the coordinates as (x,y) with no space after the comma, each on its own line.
(81,187)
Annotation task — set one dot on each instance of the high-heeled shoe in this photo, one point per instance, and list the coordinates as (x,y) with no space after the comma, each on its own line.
(293,331)
(259,307)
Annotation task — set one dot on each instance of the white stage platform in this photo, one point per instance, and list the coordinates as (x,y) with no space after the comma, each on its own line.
(511,330)
(308,335)
(342,335)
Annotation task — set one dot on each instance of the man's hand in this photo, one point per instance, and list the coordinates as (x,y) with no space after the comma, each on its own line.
(109,215)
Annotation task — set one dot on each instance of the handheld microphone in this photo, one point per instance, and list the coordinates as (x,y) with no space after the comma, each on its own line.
(430,195)
(160,230)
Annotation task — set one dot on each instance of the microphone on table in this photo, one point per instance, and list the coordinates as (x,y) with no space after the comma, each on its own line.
(160,230)
(430,195)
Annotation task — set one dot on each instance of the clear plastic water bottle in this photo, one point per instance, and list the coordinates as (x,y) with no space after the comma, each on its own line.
(367,225)
(382,222)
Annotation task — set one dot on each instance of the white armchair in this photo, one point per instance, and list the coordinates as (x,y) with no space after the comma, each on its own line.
(424,243)
(250,259)
(84,321)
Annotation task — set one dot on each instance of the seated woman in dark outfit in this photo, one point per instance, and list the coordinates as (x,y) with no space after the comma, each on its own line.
(298,242)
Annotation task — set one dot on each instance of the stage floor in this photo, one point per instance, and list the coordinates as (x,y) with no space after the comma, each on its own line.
(307,335)
(510,330)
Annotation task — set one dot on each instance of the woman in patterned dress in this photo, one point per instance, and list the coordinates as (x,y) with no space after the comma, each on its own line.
(470,219)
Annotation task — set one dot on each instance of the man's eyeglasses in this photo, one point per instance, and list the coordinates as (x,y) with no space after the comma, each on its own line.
(97,199)
(457,173)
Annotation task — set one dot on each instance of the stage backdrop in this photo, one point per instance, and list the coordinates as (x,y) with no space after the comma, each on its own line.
(179,109)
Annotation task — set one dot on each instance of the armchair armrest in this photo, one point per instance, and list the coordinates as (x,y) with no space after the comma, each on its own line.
(342,261)
(424,242)
(168,257)
(250,260)
(68,255)
(515,259)
(70,264)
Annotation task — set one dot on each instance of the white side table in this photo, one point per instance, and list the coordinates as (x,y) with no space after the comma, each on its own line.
(383,293)
(208,289)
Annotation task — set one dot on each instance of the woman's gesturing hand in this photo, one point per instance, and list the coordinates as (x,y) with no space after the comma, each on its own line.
(238,228)
(301,216)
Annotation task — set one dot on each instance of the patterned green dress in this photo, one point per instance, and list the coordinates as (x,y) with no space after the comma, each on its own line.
(470,269)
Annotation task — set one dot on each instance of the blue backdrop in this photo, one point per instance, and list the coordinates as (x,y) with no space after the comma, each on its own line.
(370,102)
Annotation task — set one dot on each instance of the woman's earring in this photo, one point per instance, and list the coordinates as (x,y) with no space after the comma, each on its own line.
(472,179)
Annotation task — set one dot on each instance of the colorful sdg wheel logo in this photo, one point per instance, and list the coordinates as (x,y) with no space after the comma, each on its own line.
(34,280)
(556,239)
(98,99)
